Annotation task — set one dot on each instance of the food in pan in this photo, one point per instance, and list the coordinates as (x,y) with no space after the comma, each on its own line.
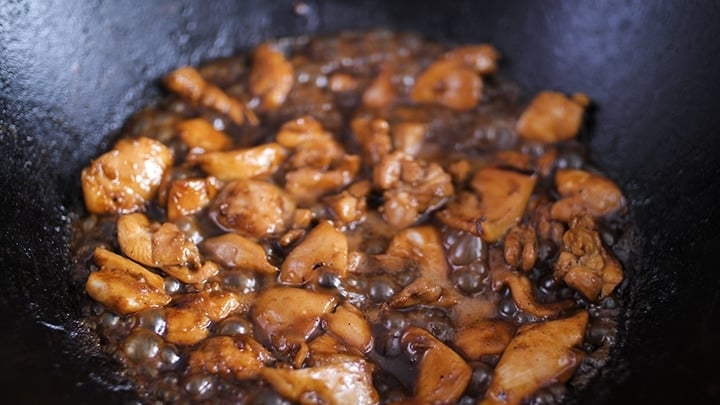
(366,217)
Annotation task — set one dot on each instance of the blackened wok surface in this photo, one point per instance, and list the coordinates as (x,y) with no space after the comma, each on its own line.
(72,71)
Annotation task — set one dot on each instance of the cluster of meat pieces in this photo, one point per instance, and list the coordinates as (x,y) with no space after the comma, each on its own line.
(304,190)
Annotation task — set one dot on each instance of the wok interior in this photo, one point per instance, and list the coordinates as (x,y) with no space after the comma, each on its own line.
(72,72)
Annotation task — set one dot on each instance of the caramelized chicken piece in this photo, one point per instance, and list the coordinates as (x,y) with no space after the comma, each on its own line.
(484,338)
(584,264)
(286,317)
(188,323)
(337,383)
(248,163)
(124,286)
(381,92)
(162,246)
(326,349)
(235,251)
(189,196)
(520,247)
(423,247)
(412,187)
(503,199)
(546,227)
(373,135)
(348,324)
(199,134)
(514,159)
(307,184)
(583,192)
(408,137)
(552,117)
(189,84)
(448,83)
(304,129)
(443,374)
(540,354)
(323,249)
(125,178)
(271,76)
(242,357)
(522,294)
(254,209)
(346,207)
(483,59)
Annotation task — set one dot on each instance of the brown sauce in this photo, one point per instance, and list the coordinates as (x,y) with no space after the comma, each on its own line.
(334,205)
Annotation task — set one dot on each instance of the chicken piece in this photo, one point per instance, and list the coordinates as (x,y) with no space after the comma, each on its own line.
(300,130)
(443,375)
(546,227)
(422,246)
(189,196)
(552,117)
(346,208)
(483,59)
(271,76)
(189,84)
(247,163)
(408,137)
(373,135)
(348,324)
(307,184)
(154,245)
(241,357)
(545,163)
(460,170)
(522,293)
(162,246)
(235,251)
(520,247)
(540,354)
(199,134)
(381,92)
(342,82)
(448,83)
(584,264)
(188,322)
(487,337)
(338,383)
(412,187)
(326,349)
(319,154)
(285,317)
(254,209)
(323,249)
(124,179)
(583,192)
(124,286)
(504,195)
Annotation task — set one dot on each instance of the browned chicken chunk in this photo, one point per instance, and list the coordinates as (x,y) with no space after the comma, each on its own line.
(286,317)
(271,77)
(484,338)
(412,187)
(236,252)
(443,374)
(188,83)
(324,249)
(188,322)
(584,263)
(503,199)
(252,208)
(340,383)
(552,117)
(483,59)
(124,286)
(521,247)
(249,163)
(349,325)
(125,178)
(540,354)
(186,197)
(584,193)
(241,357)
(448,83)
(200,135)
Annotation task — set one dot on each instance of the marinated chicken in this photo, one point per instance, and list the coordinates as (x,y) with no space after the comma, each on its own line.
(361,218)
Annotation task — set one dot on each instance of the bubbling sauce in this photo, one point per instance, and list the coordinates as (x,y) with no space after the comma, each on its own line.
(366,217)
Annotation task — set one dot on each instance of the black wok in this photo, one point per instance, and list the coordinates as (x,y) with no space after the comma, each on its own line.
(72,71)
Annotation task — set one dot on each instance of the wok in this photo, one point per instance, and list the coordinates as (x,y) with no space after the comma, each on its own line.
(72,71)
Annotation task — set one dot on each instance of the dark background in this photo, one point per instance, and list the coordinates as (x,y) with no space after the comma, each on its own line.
(72,71)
